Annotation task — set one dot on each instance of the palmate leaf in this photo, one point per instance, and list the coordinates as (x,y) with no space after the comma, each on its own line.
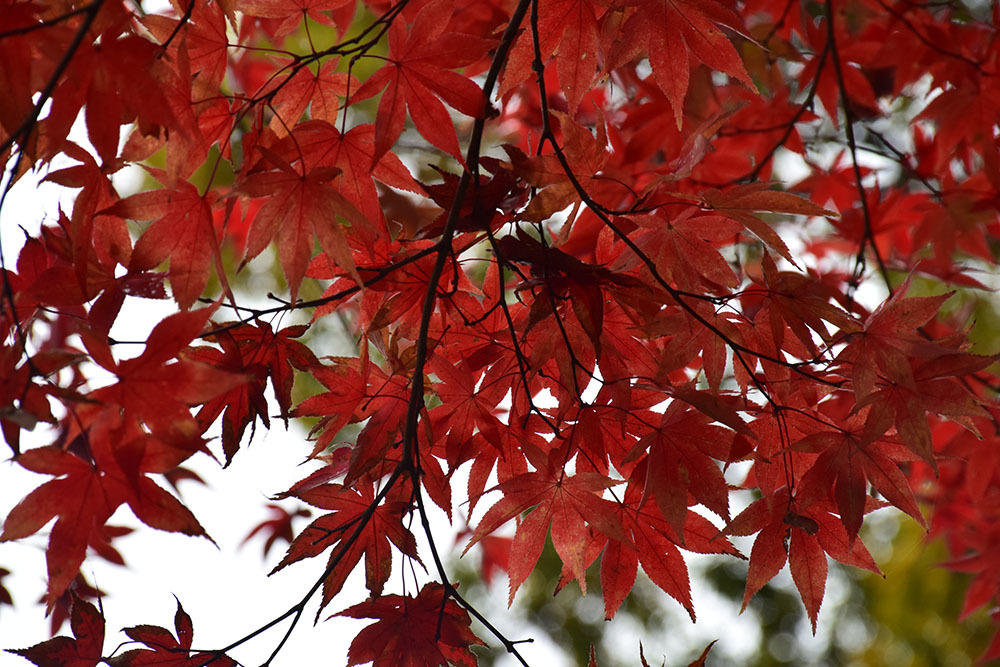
(319,92)
(848,466)
(675,33)
(182,231)
(421,71)
(801,537)
(569,29)
(167,649)
(321,144)
(347,506)
(428,629)
(86,647)
(300,209)
(257,353)
(289,14)
(654,545)
(81,500)
(678,461)
(567,504)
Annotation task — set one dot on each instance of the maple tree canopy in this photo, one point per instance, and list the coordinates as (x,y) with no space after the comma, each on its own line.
(618,262)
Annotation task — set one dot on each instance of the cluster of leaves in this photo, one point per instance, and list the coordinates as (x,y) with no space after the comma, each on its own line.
(595,320)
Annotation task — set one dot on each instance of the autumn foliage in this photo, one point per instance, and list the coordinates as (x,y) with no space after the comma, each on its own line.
(615,260)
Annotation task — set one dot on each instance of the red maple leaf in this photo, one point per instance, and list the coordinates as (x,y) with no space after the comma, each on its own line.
(889,338)
(182,231)
(291,13)
(566,503)
(848,461)
(569,29)
(301,208)
(81,500)
(84,650)
(428,630)
(153,389)
(166,650)
(675,34)
(654,545)
(353,152)
(278,527)
(347,507)
(422,60)
(682,458)
(801,537)
(464,409)
(258,353)
(319,92)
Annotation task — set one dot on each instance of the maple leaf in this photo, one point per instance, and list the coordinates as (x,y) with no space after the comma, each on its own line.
(261,353)
(983,563)
(464,409)
(337,407)
(60,610)
(847,81)
(737,202)
(116,81)
(847,463)
(156,393)
(684,248)
(105,235)
(242,405)
(290,14)
(299,208)
(81,500)
(801,537)
(182,231)
(679,461)
(84,650)
(86,493)
(674,33)
(587,154)
(422,60)
(801,303)
(167,650)
(353,153)
(349,506)
(428,629)
(889,338)
(654,545)
(205,44)
(492,203)
(567,503)
(25,403)
(319,92)
(280,352)
(370,394)
(932,390)
(278,527)
(569,29)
